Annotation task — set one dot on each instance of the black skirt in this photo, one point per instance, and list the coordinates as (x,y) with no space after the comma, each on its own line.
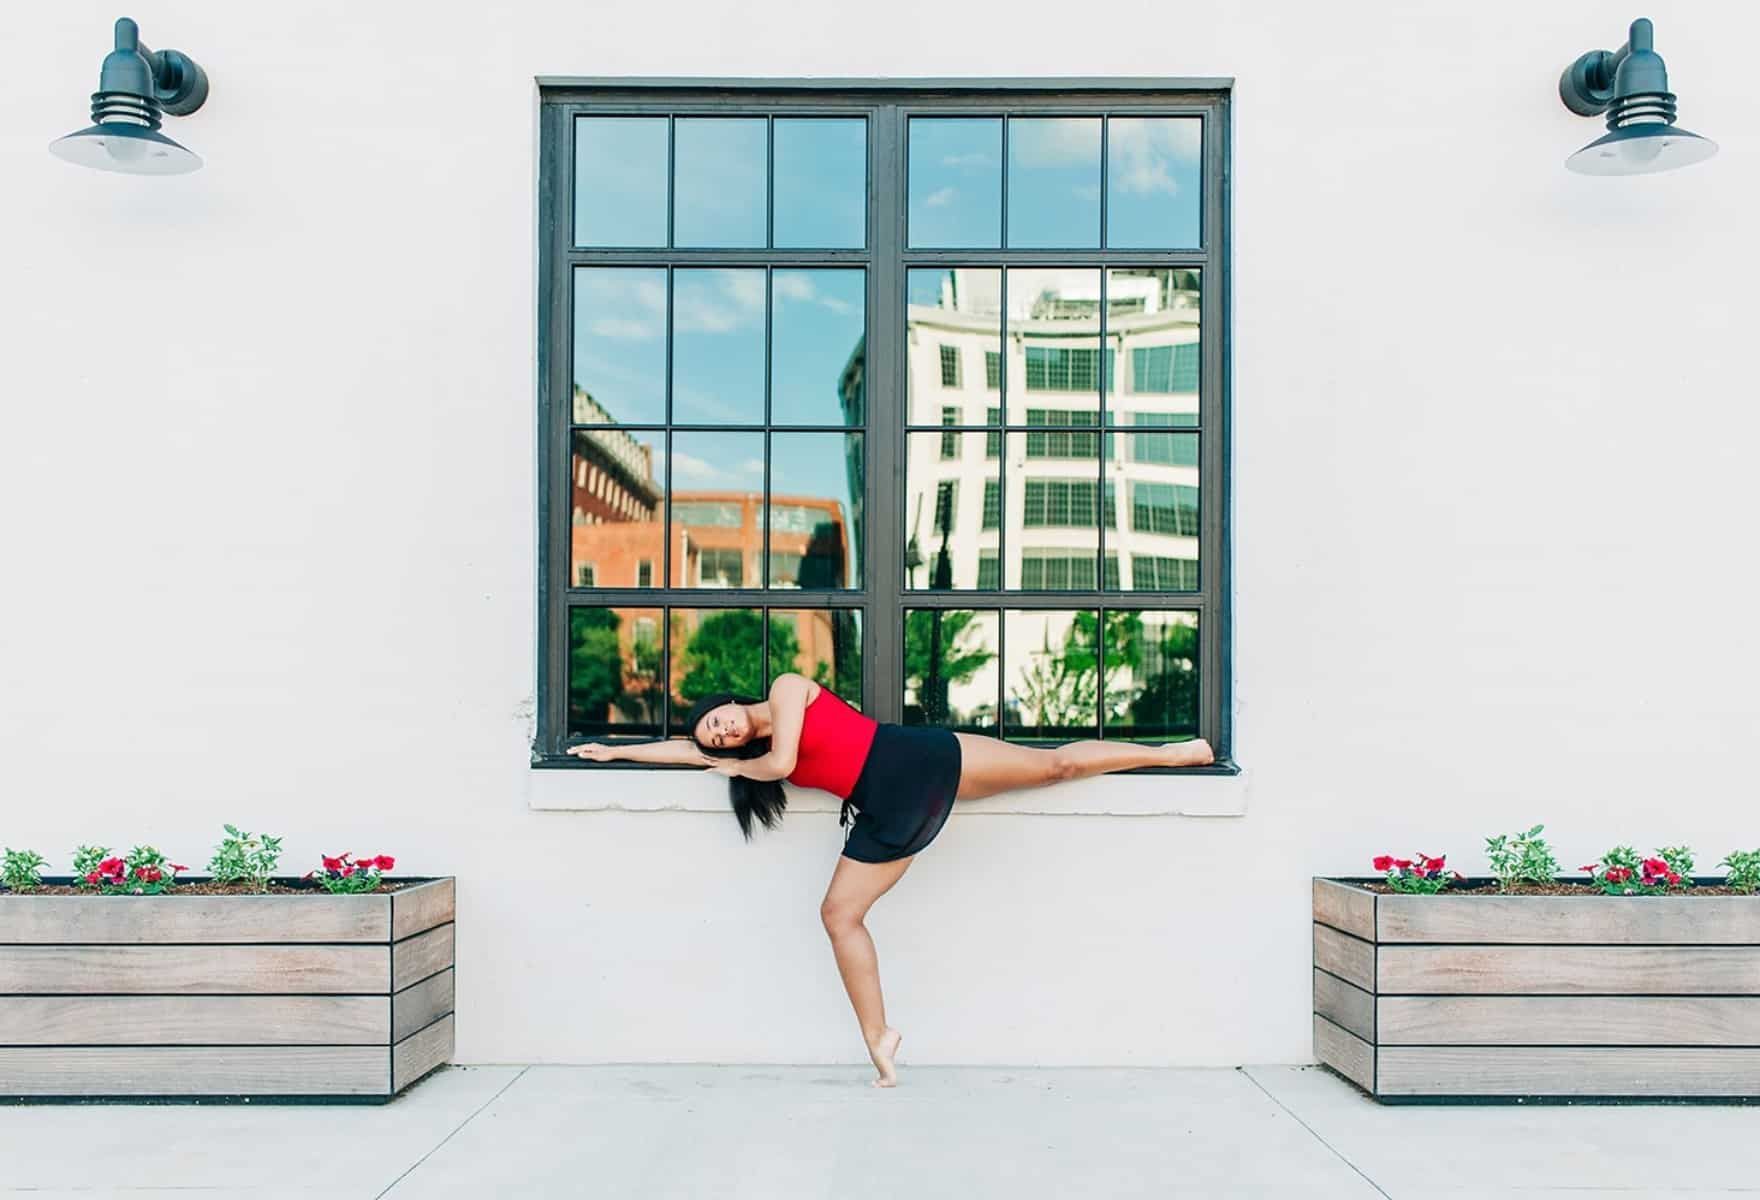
(904,794)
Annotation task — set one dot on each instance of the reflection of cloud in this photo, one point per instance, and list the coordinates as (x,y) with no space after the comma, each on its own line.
(1054,142)
(700,471)
(1144,151)
(718,301)
(799,286)
(940,198)
(627,305)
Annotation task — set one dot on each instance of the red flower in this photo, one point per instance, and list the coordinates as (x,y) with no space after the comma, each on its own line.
(1590,868)
(385,862)
(1435,863)
(348,870)
(111,866)
(1673,878)
(92,878)
(1383,862)
(1655,866)
(148,874)
(1618,874)
(178,867)
(1402,863)
(333,864)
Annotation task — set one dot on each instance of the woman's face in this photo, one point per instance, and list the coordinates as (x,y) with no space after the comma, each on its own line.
(724,728)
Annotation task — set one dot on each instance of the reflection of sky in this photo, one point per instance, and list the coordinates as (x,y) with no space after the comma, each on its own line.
(620,340)
(620,190)
(1054,181)
(821,182)
(818,325)
(718,461)
(810,464)
(720,180)
(718,346)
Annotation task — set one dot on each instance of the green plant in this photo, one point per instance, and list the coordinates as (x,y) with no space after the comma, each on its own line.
(345,874)
(1744,869)
(22,869)
(245,858)
(1425,877)
(1622,873)
(1521,858)
(145,872)
(1680,861)
(85,864)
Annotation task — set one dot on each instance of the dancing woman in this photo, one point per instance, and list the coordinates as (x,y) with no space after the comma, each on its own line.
(898,781)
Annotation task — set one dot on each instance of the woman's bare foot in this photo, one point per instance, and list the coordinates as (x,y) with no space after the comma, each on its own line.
(882,1050)
(1193,753)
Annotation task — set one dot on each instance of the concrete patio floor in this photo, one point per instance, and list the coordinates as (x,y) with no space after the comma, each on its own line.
(797,1132)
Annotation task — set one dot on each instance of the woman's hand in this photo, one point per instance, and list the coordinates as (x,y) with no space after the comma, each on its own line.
(729,767)
(596,751)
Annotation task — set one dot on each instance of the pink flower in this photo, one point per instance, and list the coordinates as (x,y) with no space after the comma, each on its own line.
(1383,862)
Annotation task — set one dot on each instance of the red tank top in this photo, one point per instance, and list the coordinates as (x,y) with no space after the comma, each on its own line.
(835,740)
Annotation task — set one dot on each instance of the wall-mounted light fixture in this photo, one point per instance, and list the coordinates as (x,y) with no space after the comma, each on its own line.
(134,87)
(1630,85)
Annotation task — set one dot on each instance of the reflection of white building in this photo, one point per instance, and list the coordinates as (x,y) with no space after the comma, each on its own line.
(1047,505)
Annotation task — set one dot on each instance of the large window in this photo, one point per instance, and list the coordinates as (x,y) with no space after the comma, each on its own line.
(757,302)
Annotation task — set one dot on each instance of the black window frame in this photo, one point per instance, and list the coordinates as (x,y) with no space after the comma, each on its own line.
(882,598)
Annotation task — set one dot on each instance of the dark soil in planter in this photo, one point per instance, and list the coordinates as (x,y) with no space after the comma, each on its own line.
(205,887)
(1482,887)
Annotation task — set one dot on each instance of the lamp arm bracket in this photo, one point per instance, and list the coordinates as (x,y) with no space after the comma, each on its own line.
(1586,87)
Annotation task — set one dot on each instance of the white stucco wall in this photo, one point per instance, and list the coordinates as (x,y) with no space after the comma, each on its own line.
(266,496)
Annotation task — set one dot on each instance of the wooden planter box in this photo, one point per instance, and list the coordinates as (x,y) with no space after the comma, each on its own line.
(1506,997)
(291,997)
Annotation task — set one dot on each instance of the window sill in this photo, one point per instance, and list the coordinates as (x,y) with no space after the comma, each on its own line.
(568,784)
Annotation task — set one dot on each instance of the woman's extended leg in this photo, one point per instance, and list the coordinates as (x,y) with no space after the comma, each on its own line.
(989,766)
(854,888)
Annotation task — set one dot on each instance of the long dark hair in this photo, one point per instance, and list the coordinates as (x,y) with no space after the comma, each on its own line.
(752,799)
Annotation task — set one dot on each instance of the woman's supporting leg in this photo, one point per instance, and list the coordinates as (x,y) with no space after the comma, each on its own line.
(989,766)
(854,888)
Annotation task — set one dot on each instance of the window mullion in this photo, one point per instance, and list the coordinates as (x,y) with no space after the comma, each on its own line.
(883,632)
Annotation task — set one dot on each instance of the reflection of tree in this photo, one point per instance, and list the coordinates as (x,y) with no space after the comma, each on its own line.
(600,678)
(941,648)
(595,665)
(722,655)
(1149,678)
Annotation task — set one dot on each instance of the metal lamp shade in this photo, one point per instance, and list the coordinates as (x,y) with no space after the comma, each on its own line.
(125,148)
(1641,149)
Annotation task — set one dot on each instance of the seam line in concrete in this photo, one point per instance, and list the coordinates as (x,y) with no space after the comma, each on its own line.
(454,1133)
(1311,1131)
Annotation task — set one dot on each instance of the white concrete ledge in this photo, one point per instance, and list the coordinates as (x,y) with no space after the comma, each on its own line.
(624,790)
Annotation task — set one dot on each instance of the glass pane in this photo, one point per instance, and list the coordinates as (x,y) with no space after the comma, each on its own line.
(620,181)
(614,684)
(1054,182)
(1152,322)
(718,346)
(821,183)
(1054,513)
(721,172)
(950,668)
(1054,341)
(953,344)
(717,492)
(816,487)
(955,182)
(1153,176)
(617,479)
(619,346)
(952,509)
(1152,676)
(714,650)
(824,644)
(817,369)
(1156,477)
(1052,678)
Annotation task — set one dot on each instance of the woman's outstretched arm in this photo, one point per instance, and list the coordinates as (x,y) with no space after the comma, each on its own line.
(671,750)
